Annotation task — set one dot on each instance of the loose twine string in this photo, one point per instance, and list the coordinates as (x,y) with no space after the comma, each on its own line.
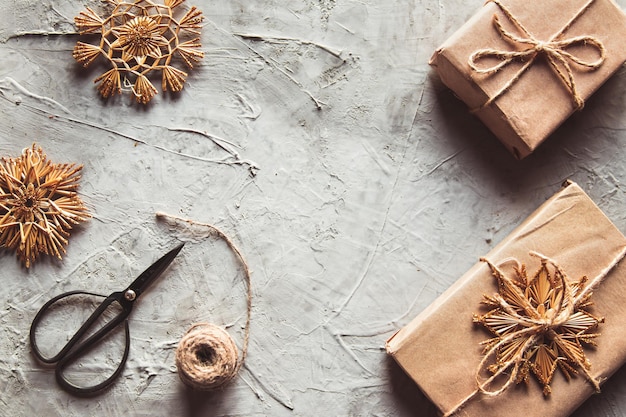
(533,327)
(207,356)
(554,50)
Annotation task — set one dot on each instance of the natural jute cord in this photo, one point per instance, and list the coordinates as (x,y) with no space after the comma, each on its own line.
(554,50)
(207,356)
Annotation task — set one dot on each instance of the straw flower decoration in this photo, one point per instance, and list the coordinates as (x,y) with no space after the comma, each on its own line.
(540,324)
(38,205)
(138,39)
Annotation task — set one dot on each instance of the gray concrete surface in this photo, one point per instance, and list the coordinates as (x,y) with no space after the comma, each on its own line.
(356,185)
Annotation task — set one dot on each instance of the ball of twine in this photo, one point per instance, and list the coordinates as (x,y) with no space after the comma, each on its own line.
(207,357)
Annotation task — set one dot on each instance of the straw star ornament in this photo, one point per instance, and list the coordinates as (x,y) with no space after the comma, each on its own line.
(138,39)
(541,323)
(38,205)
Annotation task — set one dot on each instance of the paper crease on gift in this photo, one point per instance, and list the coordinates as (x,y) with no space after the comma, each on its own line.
(440,349)
(538,102)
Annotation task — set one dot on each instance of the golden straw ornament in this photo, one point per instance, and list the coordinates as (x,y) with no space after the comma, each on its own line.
(38,204)
(539,323)
(139,38)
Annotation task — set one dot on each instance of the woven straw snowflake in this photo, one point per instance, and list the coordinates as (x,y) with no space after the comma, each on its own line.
(137,39)
(38,205)
(541,323)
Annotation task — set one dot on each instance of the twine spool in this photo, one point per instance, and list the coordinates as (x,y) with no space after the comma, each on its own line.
(207,357)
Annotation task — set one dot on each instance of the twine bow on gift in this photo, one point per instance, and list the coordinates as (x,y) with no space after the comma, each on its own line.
(554,50)
(538,324)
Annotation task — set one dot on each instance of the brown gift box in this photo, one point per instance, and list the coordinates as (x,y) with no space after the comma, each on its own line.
(440,349)
(537,102)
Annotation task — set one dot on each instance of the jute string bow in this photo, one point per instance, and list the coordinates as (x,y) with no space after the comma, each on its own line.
(533,327)
(554,50)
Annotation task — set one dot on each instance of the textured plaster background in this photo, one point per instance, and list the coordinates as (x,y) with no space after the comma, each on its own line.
(316,135)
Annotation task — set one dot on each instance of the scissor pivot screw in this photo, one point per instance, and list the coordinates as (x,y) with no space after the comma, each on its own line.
(130,295)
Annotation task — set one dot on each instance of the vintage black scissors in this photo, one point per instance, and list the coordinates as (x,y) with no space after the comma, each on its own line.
(76,347)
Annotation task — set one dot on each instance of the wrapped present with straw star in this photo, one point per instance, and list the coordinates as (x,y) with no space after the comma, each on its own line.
(524,67)
(535,327)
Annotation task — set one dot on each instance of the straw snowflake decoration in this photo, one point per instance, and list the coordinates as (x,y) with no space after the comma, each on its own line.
(38,205)
(540,324)
(139,38)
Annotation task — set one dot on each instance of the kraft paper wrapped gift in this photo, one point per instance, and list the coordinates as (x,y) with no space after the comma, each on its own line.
(500,63)
(441,348)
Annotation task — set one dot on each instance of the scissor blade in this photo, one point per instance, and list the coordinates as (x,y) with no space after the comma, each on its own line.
(154,271)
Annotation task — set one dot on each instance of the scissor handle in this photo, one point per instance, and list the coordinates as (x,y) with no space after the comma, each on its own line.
(74,389)
(75,347)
